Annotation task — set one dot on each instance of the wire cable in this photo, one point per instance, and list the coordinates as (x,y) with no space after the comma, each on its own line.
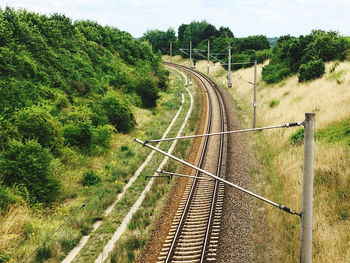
(287,125)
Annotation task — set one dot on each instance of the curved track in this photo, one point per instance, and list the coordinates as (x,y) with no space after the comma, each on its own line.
(194,234)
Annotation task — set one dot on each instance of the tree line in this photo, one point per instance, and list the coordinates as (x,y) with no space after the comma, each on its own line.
(244,49)
(304,55)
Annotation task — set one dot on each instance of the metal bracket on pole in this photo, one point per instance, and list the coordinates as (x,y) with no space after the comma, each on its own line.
(185,175)
(255,91)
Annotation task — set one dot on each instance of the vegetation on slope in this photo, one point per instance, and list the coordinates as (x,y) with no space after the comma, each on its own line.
(305,55)
(68,92)
(65,85)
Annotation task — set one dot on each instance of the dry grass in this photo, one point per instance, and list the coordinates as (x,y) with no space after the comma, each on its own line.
(12,224)
(329,98)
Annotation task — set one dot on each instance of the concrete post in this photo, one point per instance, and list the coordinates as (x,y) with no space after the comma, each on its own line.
(255,91)
(308,178)
(190,62)
(229,75)
(208,56)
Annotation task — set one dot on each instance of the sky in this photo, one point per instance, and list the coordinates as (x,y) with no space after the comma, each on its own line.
(271,18)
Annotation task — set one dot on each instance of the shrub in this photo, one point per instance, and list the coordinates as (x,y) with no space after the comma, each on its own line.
(274,103)
(44,253)
(273,73)
(312,70)
(148,91)
(78,134)
(118,113)
(90,178)
(38,124)
(28,164)
(102,135)
(4,198)
(297,137)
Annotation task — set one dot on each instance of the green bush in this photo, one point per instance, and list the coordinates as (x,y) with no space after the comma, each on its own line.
(274,103)
(311,70)
(44,253)
(28,164)
(38,124)
(5,258)
(102,135)
(118,113)
(90,178)
(148,91)
(4,198)
(78,134)
(297,137)
(273,73)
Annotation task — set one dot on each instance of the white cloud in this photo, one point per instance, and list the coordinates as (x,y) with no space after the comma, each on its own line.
(244,17)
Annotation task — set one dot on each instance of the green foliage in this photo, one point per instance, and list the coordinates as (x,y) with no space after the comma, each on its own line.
(311,70)
(44,253)
(336,133)
(118,113)
(274,73)
(28,164)
(4,198)
(102,135)
(273,103)
(66,88)
(291,54)
(5,258)
(160,40)
(297,137)
(78,134)
(38,124)
(148,91)
(90,178)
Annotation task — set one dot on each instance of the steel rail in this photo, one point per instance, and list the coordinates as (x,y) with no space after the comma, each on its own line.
(214,194)
(194,183)
(218,171)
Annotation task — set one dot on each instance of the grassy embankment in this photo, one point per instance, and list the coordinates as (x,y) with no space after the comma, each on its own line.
(23,229)
(143,220)
(281,160)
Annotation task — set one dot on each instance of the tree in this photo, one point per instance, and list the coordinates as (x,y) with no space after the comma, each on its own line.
(28,164)
(225,32)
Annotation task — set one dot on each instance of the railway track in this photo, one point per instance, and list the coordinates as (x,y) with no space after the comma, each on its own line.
(194,233)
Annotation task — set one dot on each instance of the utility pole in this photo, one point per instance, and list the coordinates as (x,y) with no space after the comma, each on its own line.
(308,178)
(208,56)
(229,74)
(255,91)
(190,62)
(171,52)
